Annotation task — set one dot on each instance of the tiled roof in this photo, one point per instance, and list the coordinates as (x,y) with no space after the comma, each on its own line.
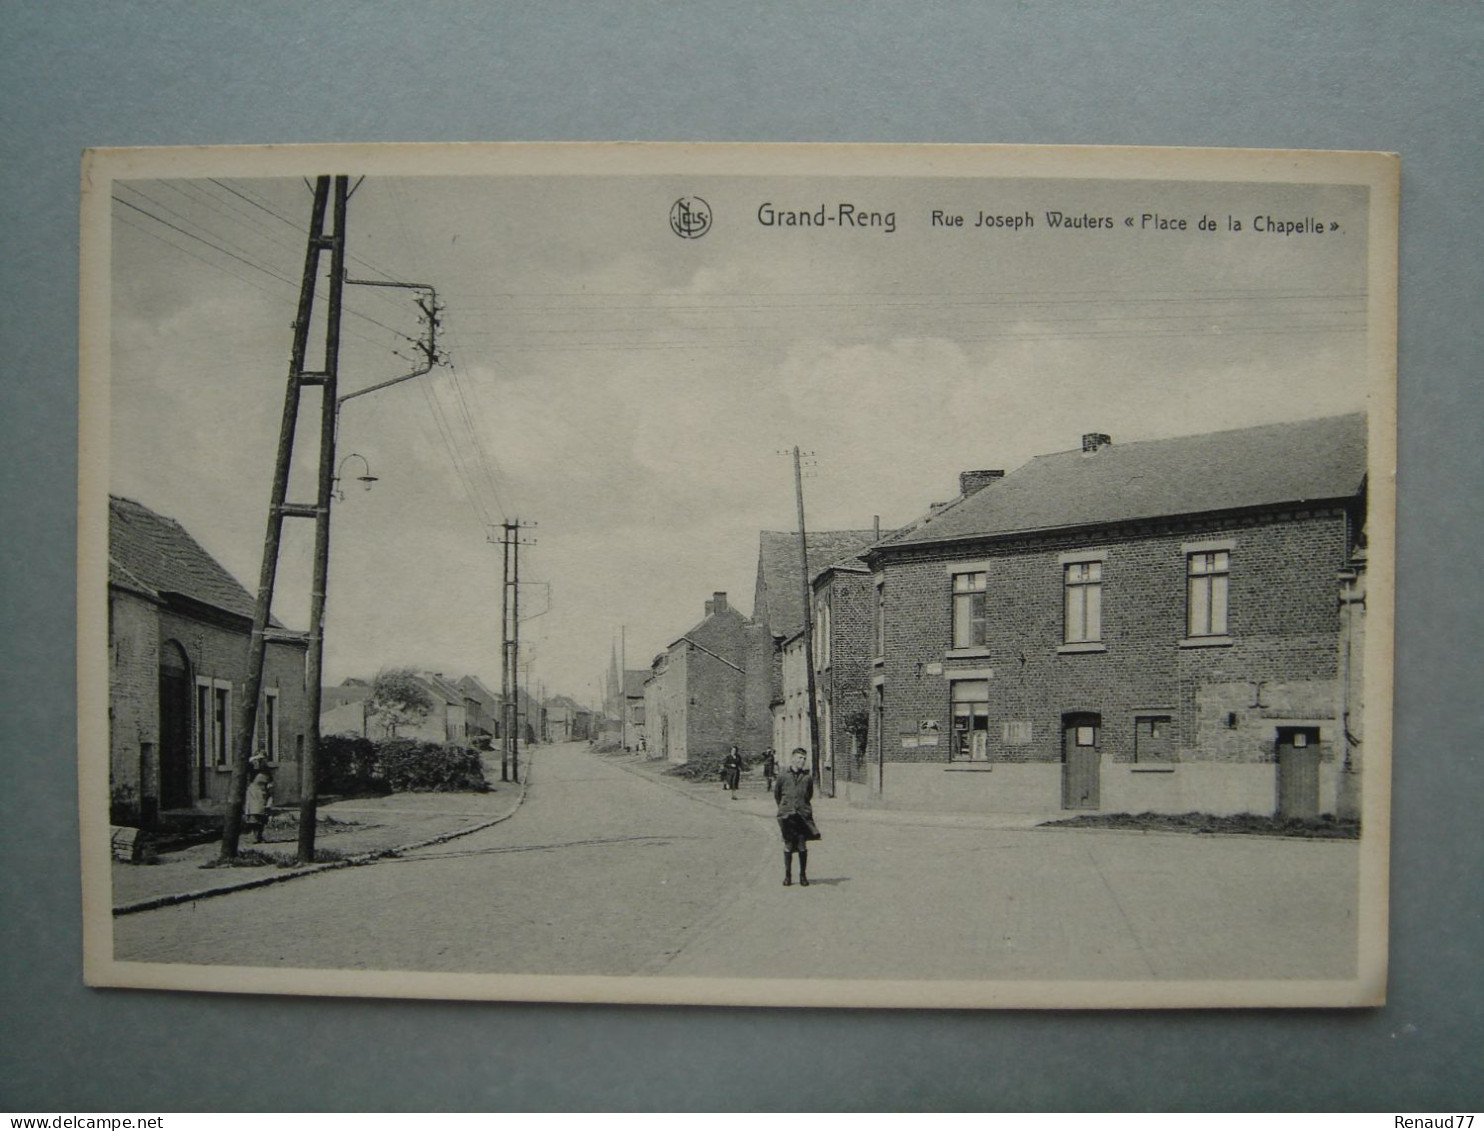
(474,688)
(1270,465)
(149,552)
(450,691)
(780,604)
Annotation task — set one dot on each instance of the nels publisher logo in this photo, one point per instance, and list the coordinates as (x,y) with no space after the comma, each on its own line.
(690,217)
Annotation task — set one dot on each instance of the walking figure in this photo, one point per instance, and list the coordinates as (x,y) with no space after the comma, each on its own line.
(794,791)
(732,771)
(770,767)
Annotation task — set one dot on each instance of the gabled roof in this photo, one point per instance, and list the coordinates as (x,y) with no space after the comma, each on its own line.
(475,689)
(779,603)
(152,554)
(450,691)
(1270,465)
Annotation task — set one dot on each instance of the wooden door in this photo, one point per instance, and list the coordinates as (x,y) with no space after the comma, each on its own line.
(175,729)
(1298,771)
(1081,754)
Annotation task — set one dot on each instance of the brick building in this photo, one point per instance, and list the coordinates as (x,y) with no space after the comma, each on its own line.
(1128,627)
(179,626)
(844,598)
(694,699)
(778,610)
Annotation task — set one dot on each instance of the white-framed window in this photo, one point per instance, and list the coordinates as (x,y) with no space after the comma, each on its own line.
(821,631)
(1082,584)
(969,706)
(269,724)
(1208,575)
(968,609)
(214,722)
(878,621)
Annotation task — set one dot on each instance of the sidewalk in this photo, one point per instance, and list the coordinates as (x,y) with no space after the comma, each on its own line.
(351,832)
(753,797)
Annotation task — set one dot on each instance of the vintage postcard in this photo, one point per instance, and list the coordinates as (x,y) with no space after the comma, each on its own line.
(919,576)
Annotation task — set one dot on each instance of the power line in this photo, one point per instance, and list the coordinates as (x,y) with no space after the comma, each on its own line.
(249,263)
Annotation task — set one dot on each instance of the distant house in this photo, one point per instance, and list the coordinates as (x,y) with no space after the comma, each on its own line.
(482,708)
(561,718)
(457,712)
(791,707)
(693,700)
(778,607)
(634,735)
(179,627)
(1166,625)
(343,707)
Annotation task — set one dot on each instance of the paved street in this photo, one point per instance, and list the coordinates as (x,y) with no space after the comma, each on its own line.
(605,870)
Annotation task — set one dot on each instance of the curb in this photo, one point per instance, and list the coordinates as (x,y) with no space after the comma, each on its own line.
(156,902)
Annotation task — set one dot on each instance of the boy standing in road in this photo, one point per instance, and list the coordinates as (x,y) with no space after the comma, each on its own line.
(794,792)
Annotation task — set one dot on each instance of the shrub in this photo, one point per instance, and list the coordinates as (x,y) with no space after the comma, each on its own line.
(422,767)
(349,765)
(704,766)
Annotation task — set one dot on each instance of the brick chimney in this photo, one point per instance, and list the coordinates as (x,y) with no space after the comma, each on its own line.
(1092,441)
(718,602)
(971,481)
(709,607)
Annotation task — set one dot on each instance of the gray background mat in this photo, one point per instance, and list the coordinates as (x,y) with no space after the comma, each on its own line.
(1352,76)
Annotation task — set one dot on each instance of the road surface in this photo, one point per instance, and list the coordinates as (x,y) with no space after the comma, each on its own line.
(606,871)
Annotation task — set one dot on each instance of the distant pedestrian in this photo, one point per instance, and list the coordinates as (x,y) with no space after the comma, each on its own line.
(259,796)
(732,771)
(770,767)
(794,791)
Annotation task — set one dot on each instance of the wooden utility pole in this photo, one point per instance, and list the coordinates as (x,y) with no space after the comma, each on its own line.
(505,693)
(327,379)
(511,540)
(279,509)
(808,596)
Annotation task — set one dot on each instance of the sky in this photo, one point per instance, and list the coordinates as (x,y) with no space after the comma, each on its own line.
(635,394)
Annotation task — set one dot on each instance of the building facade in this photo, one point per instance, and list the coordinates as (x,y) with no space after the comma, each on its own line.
(694,697)
(1152,626)
(179,626)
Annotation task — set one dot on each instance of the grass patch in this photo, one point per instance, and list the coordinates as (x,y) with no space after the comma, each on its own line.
(245,858)
(1324,827)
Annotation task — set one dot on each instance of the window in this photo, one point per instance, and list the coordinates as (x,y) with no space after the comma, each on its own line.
(221,723)
(213,723)
(270,725)
(969,701)
(1083,583)
(1207,575)
(205,752)
(878,631)
(968,610)
(1153,740)
(821,632)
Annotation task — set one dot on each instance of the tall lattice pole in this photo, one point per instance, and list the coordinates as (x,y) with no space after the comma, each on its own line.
(808,597)
(278,509)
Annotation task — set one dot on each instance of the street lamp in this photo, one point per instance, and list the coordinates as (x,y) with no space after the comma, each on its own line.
(367,479)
